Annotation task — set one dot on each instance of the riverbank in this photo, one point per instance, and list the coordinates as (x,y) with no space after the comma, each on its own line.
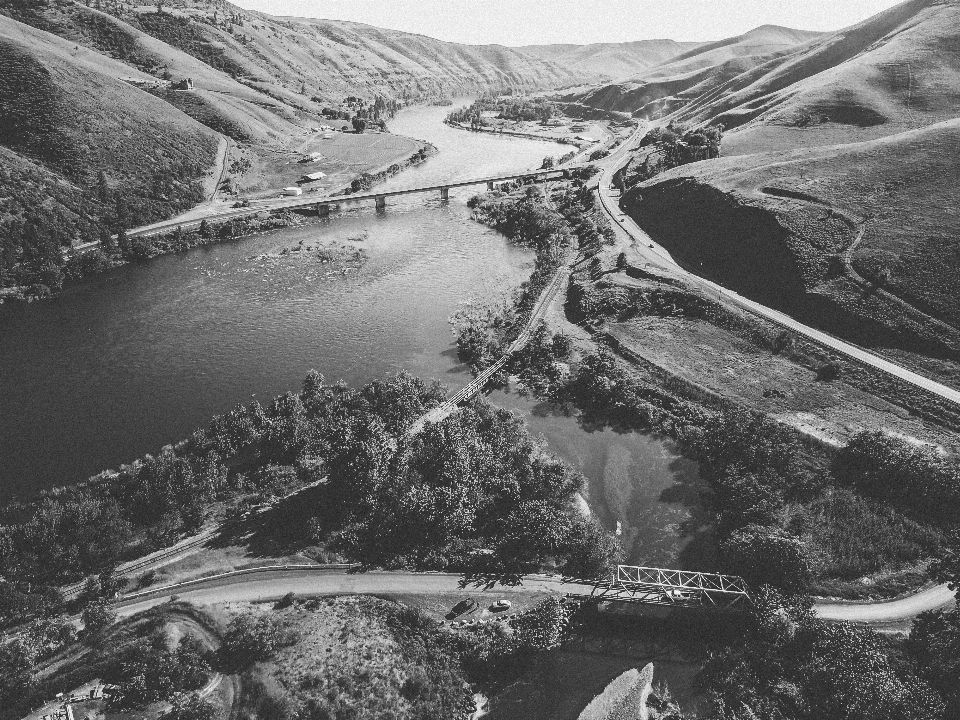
(211,227)
(656,331)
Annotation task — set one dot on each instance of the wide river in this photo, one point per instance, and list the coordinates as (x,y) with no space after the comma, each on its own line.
(122,364)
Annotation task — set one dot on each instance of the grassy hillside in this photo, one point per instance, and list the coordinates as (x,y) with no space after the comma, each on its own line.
(895,71)
(778,88)
(614,60)
(83,151)
(699,69)
(94,136)
(784,228)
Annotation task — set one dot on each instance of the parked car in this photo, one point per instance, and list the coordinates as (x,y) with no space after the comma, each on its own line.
(501,605)
(465,605)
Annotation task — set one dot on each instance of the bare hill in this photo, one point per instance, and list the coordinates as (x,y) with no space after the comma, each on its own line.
(859,239)
(699,69)
(612,60)
(895,71)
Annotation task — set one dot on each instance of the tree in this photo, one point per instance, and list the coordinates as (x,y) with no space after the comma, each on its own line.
(769,556)
(254,638)
(359,124)
(97,616)
(935,643)
(192,707)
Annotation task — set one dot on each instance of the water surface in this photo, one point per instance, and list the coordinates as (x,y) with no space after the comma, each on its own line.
(119,365)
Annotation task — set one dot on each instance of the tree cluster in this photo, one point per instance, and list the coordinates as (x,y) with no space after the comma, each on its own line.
(151,671)
(916,479)
(790,665)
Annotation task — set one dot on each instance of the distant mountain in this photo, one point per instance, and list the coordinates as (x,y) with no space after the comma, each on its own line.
(703,68)
(613,60)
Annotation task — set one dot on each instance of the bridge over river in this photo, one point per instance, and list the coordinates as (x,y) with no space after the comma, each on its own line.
(323,205)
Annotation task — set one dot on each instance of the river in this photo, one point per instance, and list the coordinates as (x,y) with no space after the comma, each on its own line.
(119,365)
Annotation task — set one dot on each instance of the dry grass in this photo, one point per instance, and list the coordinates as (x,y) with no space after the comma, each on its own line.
(716,215)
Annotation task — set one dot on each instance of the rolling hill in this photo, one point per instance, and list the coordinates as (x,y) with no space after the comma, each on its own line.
(836,198)
(613,60)
(700,69)
(94,134)
(84,149)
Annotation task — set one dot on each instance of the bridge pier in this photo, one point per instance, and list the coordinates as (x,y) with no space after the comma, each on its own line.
(444,193)
(381,202)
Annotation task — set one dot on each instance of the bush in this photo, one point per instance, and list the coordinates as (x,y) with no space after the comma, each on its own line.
(915,479)
(254,638)
(97,616)
(768,556)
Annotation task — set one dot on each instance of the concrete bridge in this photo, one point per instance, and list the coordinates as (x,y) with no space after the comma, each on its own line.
(324,205)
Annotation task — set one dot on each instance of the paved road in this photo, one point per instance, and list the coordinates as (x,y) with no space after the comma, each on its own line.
(931,599)
(887,612)
(271,584)
(274,583)
(659,256)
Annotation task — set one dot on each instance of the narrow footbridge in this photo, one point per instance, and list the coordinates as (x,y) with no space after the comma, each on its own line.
(676,588)
(476,385)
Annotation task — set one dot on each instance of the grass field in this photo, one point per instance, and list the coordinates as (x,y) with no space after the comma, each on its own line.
(345,155)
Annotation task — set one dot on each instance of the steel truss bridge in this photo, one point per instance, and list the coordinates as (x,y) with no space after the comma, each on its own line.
(675,588)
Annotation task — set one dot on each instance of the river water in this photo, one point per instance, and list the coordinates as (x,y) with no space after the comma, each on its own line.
(119,365)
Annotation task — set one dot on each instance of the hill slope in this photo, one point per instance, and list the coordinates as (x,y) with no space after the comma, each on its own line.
(858,239)
(699,69)
(83,150)
(614,60)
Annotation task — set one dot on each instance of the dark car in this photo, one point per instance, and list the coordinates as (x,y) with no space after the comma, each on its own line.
(465,605)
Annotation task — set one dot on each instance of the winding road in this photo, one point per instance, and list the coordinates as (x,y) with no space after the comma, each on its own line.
(273,582)
(884,612)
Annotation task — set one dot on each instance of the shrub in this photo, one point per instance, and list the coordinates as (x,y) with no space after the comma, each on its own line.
(254,638)
(768,556)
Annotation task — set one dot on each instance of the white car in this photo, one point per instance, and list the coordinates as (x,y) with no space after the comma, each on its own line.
(502,605)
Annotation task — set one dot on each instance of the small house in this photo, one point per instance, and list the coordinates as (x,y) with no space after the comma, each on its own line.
(185,84)
(292,191)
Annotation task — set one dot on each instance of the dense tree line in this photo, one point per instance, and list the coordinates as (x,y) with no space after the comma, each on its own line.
(507,108)
(790,665)
(917,479)
(474,490)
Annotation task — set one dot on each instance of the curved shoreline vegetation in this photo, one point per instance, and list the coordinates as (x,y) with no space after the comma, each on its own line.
(29,275)
(473,493)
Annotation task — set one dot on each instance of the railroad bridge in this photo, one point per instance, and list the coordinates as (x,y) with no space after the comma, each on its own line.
(675,588)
